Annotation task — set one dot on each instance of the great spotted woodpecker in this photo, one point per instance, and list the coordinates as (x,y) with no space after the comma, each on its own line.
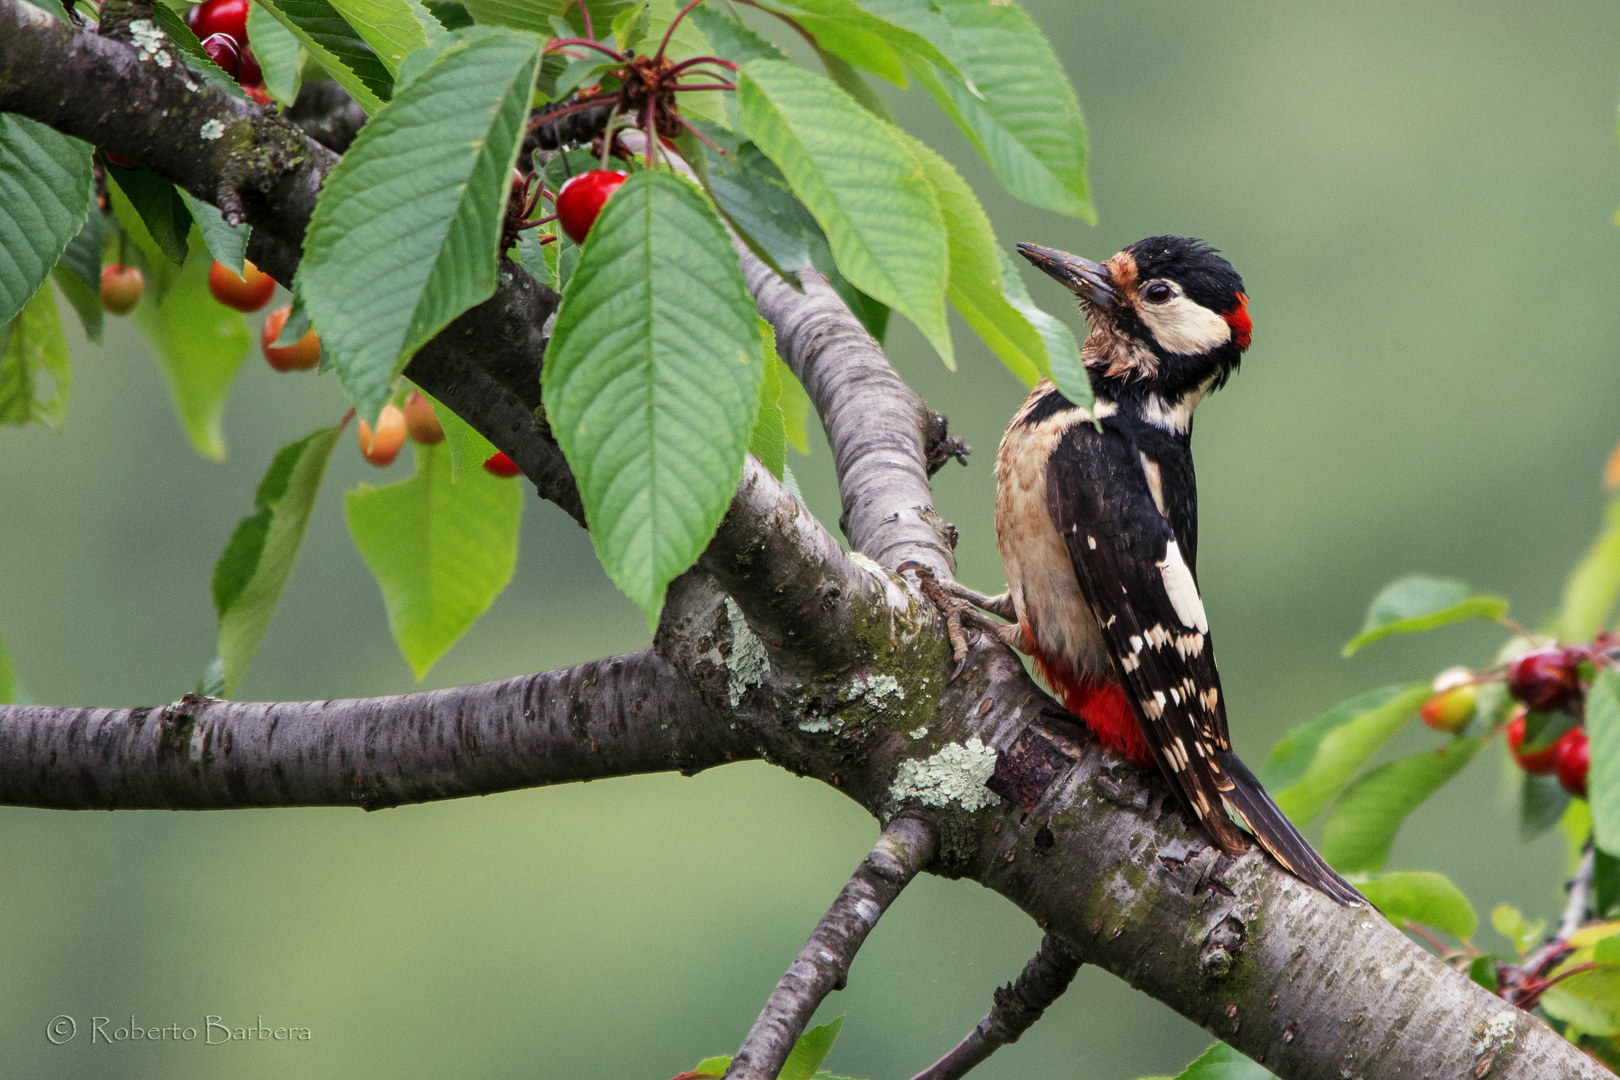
(1097,522)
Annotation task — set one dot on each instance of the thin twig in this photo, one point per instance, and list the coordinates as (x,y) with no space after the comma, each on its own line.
(822,966)
(1580,894)
(1017,1006)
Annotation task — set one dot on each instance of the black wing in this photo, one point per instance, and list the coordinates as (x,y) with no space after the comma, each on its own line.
(1105,496)
(1143,594)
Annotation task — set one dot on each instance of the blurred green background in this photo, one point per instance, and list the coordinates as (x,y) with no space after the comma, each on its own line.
(1420,201)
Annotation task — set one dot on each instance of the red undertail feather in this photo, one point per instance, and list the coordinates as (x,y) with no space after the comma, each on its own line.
(1102,705)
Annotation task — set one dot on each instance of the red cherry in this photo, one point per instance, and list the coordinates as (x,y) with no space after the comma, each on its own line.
(301,355)
(1543,762)
(501,465)
(1574,761)
(220,17)
(1545,680)
(223,50)
(121,288)
(381,449)
(248,293)
(424,426)
(581,199)
(251,74)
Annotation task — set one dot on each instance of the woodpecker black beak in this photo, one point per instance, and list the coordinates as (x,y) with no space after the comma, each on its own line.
(1088,280)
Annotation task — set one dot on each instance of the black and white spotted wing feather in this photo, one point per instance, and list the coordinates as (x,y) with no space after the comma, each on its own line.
(1138,581)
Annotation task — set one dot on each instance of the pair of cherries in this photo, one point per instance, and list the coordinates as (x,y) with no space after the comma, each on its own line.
(221,26)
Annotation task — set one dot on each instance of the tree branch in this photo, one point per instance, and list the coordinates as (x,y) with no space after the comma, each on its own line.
(1017,1006)
(822,966)
(616,717)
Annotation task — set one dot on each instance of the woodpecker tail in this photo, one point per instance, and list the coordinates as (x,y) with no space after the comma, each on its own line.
(1250,804)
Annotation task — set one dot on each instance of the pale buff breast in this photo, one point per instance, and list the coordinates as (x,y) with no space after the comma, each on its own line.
(1040,576)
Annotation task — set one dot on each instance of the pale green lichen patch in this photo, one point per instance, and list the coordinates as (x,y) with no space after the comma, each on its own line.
(917,732)
(747,665)
(874,689)
(956,774)
(820,725)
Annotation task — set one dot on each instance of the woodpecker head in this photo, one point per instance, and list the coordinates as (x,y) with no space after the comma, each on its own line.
(1169,317)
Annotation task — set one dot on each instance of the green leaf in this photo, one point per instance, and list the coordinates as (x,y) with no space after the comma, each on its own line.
(8,680)
(847,79)
(1314,762)
(1605,877)
(279,54)
(200,345)
(810,1051)
(532,15)
(1012,100)
(468,449)
(755,198)
(450,14)
(194,56)
(226,243)
(1415,604)
(161,222)
(1363,823)
(1542,802)
(441,552)
(630,27)
(34,347)
(388,26)
(768,442)
(732,40)
(86,302)
(864,188)
(685,43)
(1511,924)
(651,381)
(1423,897)
(405,235)
(1587,999)
(335,45)
(78,275)
(1064,366)
(713,1066)
(795,408)
(1221,1062)
(1594,584)
(1603,779)
(45,182)
(990,296)
(253,569)
(1482,970)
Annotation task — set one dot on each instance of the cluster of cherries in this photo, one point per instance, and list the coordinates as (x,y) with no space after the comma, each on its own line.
(221,26)
(1544,681)
(380,446)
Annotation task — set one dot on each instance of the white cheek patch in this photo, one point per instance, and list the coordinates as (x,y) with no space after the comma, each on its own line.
(1182,590)
(1182,326)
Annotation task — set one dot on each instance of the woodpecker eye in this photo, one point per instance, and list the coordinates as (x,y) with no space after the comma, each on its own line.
(1158,292)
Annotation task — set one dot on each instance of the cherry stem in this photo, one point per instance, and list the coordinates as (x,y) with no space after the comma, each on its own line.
(707,141)
(585,16)
(800,30)
(707,86)
(1515,627)
(1438,945)
(650,109)
(607,134)
(557,44)
(684,64)
(673,23)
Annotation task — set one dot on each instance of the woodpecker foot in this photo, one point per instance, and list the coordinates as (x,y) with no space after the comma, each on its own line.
(961,607)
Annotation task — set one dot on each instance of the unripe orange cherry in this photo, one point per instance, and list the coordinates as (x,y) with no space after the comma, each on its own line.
(500,465)
(301,355)
(1450,709)
(419,419)
(248,293)
(383,447)
(121,288)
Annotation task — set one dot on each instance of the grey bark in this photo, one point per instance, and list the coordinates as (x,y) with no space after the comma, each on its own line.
(779,645)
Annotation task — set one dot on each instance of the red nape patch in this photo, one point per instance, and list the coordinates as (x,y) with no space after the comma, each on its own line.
(1238,319)
(1104,708)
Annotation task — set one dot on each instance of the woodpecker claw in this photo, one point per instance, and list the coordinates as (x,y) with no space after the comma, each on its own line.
(960,606)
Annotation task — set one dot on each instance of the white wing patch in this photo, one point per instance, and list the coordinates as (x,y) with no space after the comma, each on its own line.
(1150,469)
(1182,590)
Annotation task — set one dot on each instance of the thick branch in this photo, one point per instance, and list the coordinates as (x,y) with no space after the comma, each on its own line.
(822,966)
(878,427)
(100,91)
(616,717)
(1017,1006)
